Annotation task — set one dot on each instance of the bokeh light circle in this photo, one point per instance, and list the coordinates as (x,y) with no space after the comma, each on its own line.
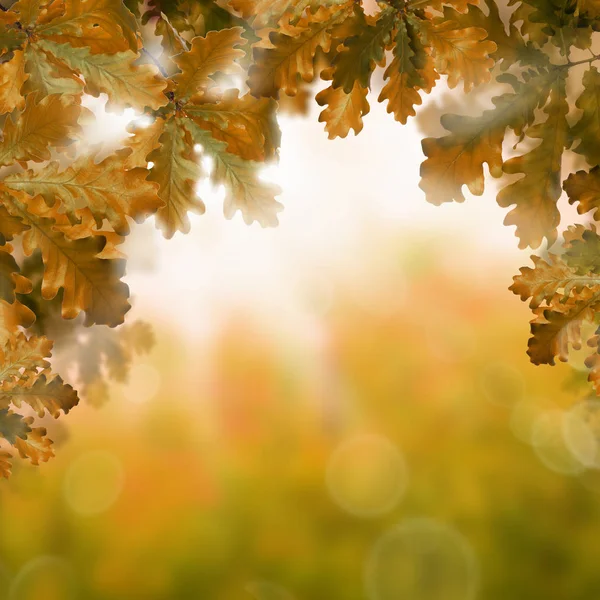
(143,383)
(47,577)
(502,384)
(522,419)
(549,443)
(265,590)
(367,475)
(422,559)
(93,483)
(581,430)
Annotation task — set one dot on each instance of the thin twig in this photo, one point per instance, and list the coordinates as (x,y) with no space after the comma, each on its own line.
(580,62)
(155,62)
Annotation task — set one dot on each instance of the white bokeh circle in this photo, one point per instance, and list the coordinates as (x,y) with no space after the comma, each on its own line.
(93,482)
(367,475)
(422,559)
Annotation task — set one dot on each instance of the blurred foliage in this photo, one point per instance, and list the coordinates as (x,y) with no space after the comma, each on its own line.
(217,485)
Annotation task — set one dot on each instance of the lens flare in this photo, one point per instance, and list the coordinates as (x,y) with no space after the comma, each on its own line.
(47,577)
(93,483)
(422,559)
(367,475)
(549,443)
(581,431)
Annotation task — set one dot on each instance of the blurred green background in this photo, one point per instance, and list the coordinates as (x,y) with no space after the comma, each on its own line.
(340,408)
(409,451)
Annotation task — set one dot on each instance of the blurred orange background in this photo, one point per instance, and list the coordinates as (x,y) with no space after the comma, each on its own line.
(339,408)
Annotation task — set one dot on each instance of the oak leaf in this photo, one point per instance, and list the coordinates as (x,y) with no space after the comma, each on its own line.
(47,75)
(36,446)
(51,122)
(216,53)
(43,395)
(5,464)
(244,190)
(556,329)
(247,124)
(12,78)
(362,53)
(461,54)
(536,194)
(548,280)
(587,128)
(104,188)
(583,254)
(583,189)
(126,84)
(457,159)
(345,110)
(105,26)
(292,58)
(89,283)
(176,170)
(19,355)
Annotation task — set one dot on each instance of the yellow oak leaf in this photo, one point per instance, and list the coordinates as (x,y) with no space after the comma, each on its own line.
(105,188)
(549,279)
(216,53)
(411,71)
(8,272)
(144,139)
(263,13)
(171,42)
(9,226)
(47,75)
(556,329)
(536,194)
(105,26)
(583,189)
(245,192)
(177,171)
(115,75)
(5,464)
(587,128)
(51,122)
(11,39)
(29,11)
(361,53)
(43,395)
(12,78)
(12,316)
(279,69)
(36,446)
(457,159)
(89,283)
(247,124)
(401,97)
(462,54)
(21,355)
(344,111)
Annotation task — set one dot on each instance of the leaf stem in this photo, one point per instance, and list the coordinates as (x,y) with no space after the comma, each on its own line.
(156,62)
(570,64)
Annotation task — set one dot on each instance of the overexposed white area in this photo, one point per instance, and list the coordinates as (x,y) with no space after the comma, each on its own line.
(352,206)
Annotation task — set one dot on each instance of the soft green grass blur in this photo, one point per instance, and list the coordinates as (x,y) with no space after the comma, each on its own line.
(409,452)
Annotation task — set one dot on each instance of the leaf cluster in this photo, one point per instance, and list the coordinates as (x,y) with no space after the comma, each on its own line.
(208,79)
(64,211)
